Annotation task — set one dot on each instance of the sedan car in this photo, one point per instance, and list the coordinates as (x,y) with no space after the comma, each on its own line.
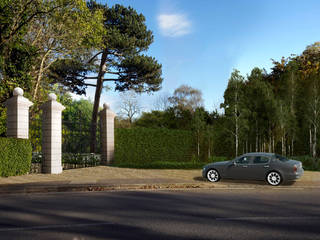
(271,167)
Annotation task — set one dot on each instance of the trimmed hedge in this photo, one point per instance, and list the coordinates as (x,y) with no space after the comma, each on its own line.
(15,156)
(308,163)
(142,146)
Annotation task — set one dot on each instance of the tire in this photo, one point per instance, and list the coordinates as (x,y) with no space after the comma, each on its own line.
(213,175)
(274,178)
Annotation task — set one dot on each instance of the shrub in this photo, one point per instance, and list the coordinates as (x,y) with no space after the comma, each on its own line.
(162,165)
(143,145)
(308,163)
(15,156)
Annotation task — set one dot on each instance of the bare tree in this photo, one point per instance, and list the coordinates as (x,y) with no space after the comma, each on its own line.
(187,97)
(129,105)
(162,102)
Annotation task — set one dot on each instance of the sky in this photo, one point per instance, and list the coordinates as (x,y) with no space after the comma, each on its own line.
(199,43)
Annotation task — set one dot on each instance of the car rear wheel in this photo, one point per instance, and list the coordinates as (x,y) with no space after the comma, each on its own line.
(274,178)
(213,175)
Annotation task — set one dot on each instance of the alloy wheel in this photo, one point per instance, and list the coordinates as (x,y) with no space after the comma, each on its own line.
(274,178)
(213,175)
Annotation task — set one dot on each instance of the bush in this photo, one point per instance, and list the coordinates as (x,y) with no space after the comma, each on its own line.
(144,146)
(308,163)
(86,159)
(162,165)
(15,156)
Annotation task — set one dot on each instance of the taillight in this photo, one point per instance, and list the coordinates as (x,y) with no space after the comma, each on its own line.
(295,168)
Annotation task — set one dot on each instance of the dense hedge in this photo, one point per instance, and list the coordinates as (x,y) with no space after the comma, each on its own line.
(143,145)
(308,163)
(15,156)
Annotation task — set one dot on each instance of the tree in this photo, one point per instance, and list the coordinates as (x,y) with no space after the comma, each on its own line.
(118,59)
(69,30)
(261,108)
(153,119)
(234,106)
(162,102)
(186,97)
(310,68)
(129,105)
(199,126)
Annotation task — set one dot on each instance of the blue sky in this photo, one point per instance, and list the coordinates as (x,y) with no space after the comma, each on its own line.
(199,43)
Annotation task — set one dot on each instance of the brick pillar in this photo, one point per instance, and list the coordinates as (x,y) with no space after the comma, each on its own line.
(107,135)
(18,115)
(51,135)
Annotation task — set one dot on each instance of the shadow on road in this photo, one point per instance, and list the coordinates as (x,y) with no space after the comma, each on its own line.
(250,182)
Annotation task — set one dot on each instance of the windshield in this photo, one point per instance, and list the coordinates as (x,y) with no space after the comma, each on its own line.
(281,158)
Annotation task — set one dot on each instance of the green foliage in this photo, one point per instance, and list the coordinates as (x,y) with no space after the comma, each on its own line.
(168,164)
(15,156)
(84,159)
(161,165)
(75,128)
(308,163)
(142,145)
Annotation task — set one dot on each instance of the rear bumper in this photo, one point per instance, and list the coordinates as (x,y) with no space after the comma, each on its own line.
(294,176)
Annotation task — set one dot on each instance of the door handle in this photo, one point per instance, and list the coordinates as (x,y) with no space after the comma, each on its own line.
(266,166)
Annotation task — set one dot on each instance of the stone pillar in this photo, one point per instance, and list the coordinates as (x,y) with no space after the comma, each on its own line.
(18,115)
(107,135)
(51,135)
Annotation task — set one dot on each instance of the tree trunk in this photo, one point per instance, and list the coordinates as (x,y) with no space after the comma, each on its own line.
(93,129)
(39,76)
(246,145)
(310,140)
(314,147)
(198,147)
(257,136)
(237,124)
(270,144)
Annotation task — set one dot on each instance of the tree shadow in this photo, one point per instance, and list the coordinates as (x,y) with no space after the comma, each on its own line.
(250,182)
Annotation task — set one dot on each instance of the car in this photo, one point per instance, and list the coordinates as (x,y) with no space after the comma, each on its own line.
(270,167)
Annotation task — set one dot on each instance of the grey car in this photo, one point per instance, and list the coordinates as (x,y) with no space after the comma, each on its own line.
(271,167)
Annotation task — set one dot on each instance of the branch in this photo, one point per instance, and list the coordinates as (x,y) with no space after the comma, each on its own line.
(90,77)
(110,80)
(91,59)
(6,39)
(117,73)
(89,84)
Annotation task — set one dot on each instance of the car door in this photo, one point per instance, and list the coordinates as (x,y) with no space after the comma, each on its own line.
(239,170)
(259,167)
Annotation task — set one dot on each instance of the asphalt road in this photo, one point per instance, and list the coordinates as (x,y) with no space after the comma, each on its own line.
(199,214)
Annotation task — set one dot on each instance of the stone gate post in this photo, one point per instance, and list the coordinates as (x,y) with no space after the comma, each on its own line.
(107,134)
(18,115)
(51,135)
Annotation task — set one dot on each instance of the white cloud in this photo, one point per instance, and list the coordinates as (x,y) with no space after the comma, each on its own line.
(174,25)
(78,97)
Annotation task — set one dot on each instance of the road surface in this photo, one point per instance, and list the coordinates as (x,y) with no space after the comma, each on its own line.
(220,214)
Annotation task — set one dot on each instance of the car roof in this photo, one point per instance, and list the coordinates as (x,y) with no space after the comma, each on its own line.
(259,154)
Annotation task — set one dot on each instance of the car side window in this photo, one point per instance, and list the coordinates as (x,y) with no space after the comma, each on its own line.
(242,160)
(260,159)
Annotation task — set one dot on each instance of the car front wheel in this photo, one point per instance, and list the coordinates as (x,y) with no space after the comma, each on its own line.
(274,178)
(213,175)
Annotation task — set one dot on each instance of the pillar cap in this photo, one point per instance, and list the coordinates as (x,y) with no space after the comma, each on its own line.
(106,106)
(52,97)
(17,91)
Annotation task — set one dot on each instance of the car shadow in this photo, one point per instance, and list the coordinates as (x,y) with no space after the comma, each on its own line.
(250,182)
